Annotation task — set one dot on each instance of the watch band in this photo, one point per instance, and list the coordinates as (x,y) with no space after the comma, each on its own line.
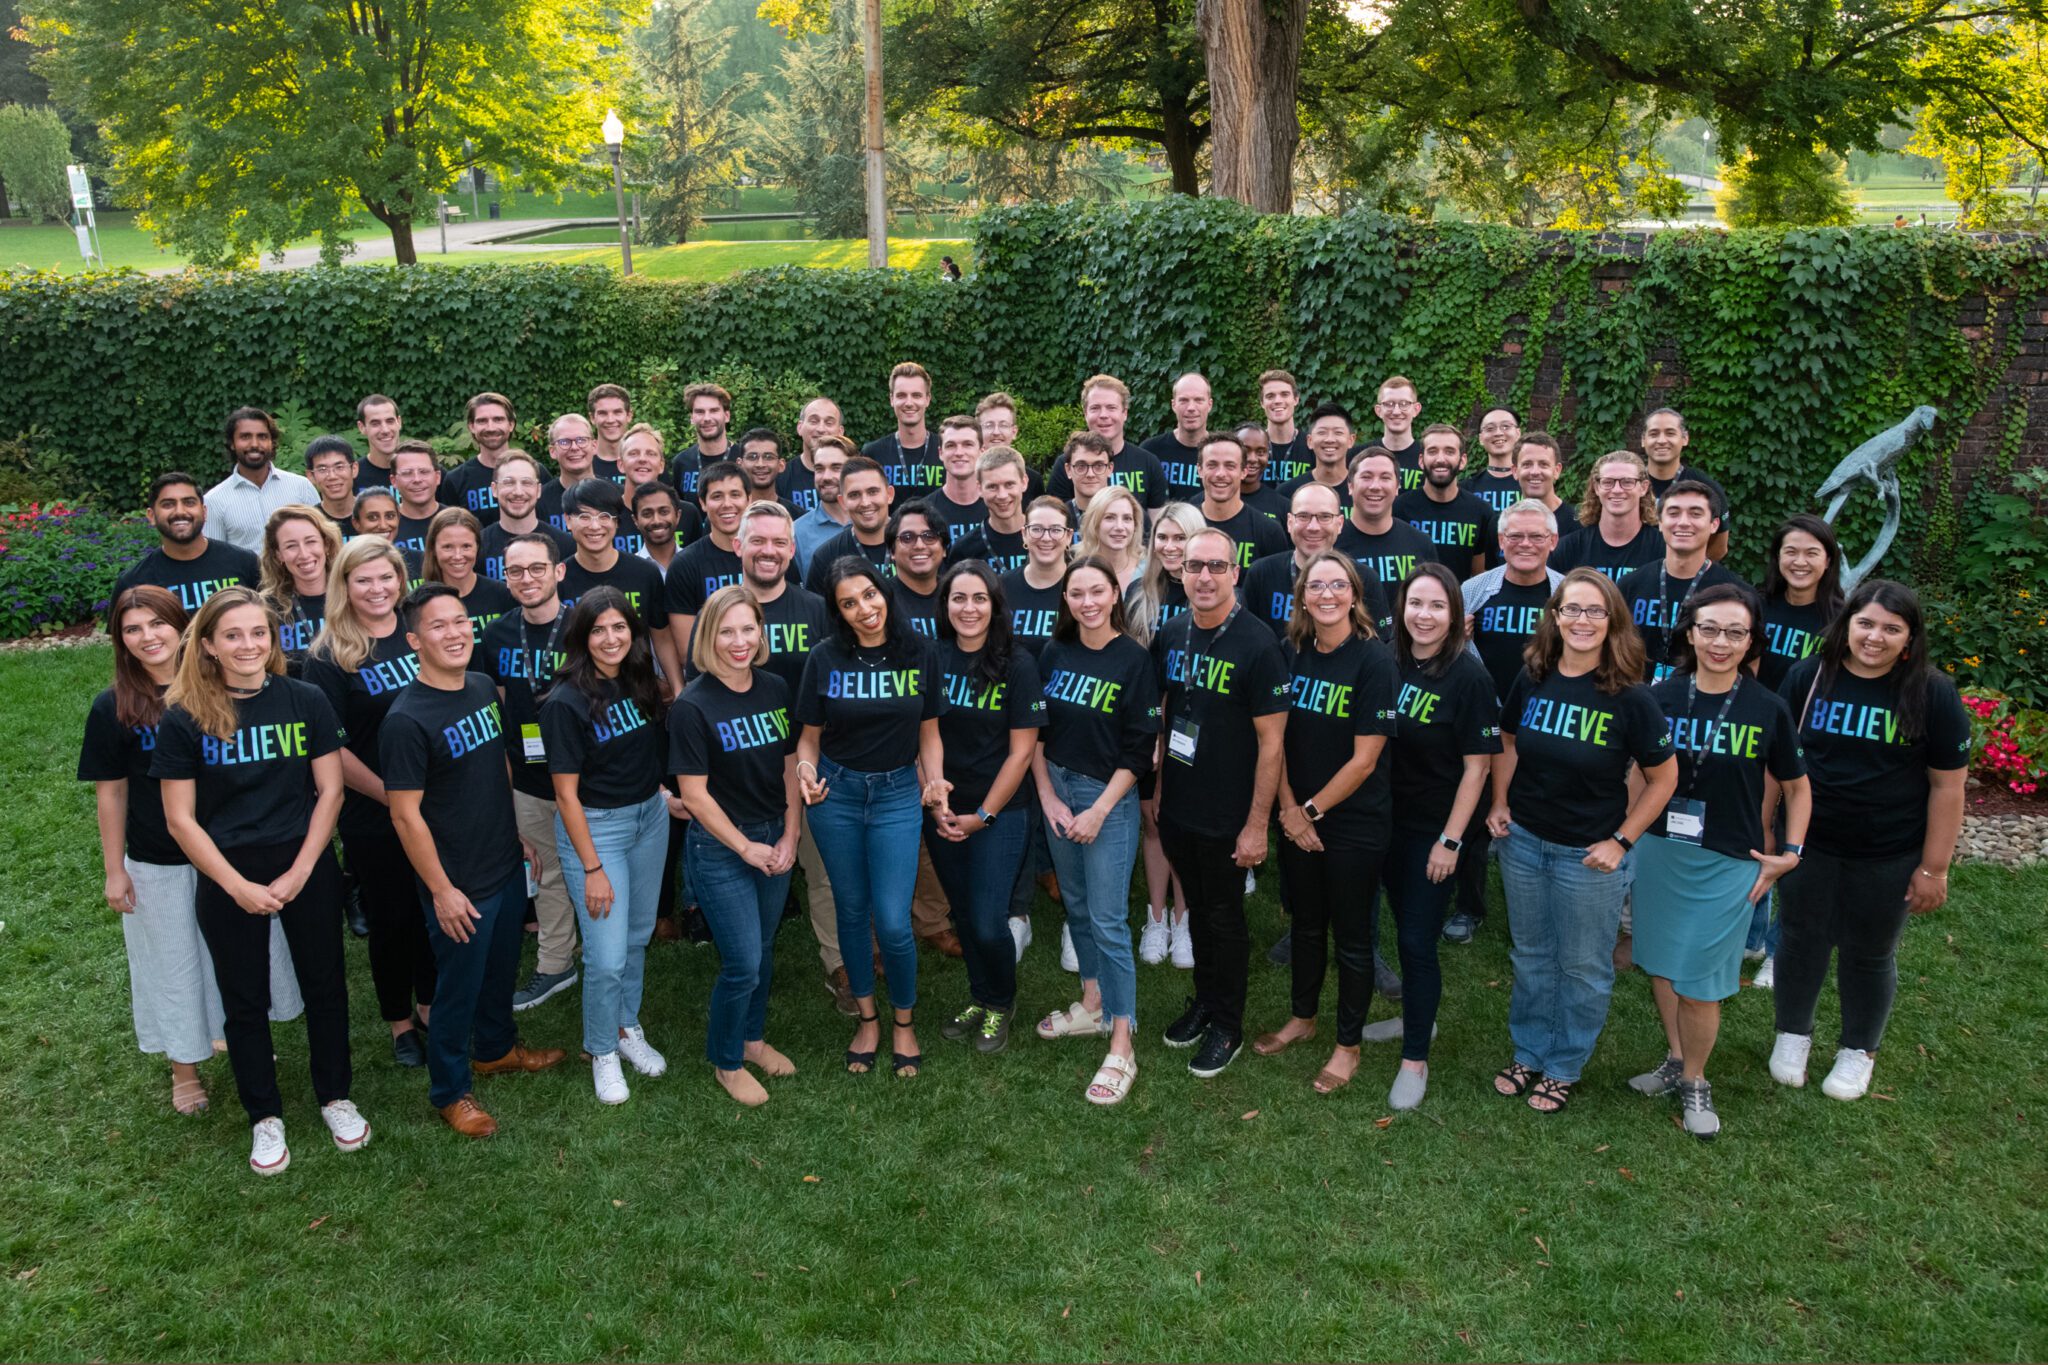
(1626,843)
(1454,845)
(1310,812)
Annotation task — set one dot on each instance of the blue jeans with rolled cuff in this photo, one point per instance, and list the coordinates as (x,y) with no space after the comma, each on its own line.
(1095,887)
(632,844)
(1563,917)
(743,907)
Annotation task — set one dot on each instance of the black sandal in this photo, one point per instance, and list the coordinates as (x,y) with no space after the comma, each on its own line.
(1559,1093)
(904,1064)
(1516,1075)
(861,1063)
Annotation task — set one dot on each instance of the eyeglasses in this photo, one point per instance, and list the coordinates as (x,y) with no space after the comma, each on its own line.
(1397,404)
(918,537)
(572,442)
(1497,428)
(1321,588)
(1216,567)
(1615,485)
(1572,611)
(528,570)
(1317,516)
(761,457)
(1734,635)
(1046,532)
(1523,537)
(590,516)
(1087,467)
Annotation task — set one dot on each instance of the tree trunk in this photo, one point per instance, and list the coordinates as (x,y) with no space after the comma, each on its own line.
(1254,57)
(1181,139)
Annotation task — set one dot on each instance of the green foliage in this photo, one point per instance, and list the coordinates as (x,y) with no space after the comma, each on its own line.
(810,138)
(698,151)
(1782,186)
(1987,123)
(758,400)
(58,565)
(35,146)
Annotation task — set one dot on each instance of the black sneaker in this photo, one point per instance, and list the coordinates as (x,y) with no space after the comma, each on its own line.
(966,1022)
(1218,1050)
(1187,1030)
(352,906)
(1281,954)
(1460,927)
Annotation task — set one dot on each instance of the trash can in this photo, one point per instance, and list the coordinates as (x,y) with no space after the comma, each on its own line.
(494,209)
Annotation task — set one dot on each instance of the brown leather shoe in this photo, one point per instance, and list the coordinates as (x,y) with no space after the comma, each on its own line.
(467,1117)
(521,1058)
(945,941)
(1049,883)
(842,993)
(666,930)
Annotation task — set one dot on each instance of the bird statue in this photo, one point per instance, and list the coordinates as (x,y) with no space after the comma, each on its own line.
(1876,461)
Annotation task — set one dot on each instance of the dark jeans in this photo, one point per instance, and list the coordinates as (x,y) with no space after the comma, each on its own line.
(473,1004)
(672,863)
(743,907)
(1856,905)
(1471,874)
(401,958)
(977,876)
(1214,884)
(1037,854)
(1419,906)
(1336,891)
(239,944)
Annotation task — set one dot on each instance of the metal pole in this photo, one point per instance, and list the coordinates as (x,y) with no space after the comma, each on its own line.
(619,196)
(878,190)
(441,212)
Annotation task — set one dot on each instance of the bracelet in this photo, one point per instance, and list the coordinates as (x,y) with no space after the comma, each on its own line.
(593,871)
(1932,876)
(806,763)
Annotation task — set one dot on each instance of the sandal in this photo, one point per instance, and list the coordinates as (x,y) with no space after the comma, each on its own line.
(1327,1080)
(1518,1077)
(1558,1093)
(1273,1044)
(1112,1080)
(1075,1021)
(188,1097)
(861,1063)
(904,1064)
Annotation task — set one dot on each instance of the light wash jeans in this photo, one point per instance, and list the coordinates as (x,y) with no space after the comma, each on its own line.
(1564,917)
(632,845)
(1095,884)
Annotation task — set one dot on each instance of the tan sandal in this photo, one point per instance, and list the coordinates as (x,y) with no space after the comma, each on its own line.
(188,1097)
(1112,1080)
(1075,1021)
(1273,1044)
(1327,1081)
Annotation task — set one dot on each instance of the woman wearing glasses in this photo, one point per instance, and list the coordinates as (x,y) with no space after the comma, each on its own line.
(1571,725)
(1704,863)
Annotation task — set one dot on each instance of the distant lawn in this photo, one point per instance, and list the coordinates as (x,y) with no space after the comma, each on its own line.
(718,260)
(983,1211)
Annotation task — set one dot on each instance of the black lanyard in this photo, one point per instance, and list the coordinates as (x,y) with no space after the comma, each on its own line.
(1664,586)
(1705,751)
(554,632)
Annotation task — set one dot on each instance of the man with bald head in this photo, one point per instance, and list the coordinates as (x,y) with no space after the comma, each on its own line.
(1313,521)
(798,484)
(1180,449)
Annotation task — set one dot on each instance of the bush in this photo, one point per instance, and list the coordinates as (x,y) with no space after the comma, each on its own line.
(1995,645)
(2009,742)
(58,565)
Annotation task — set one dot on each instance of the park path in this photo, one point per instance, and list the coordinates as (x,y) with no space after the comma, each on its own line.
(426,239)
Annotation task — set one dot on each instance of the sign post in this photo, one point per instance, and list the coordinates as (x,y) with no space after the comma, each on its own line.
(81,203)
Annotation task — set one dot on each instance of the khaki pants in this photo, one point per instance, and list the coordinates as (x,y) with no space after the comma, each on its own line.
(551,907)
(929,912)
(824,911)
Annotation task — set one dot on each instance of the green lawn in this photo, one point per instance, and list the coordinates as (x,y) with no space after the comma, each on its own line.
(717,260)
(983,1211)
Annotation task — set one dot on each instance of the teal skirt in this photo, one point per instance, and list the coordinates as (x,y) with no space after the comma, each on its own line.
(1692,916)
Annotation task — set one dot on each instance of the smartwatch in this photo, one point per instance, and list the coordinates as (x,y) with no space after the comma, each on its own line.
(1309,811)
(1796,850)
(1627,844)
(986,818)
(1454,845)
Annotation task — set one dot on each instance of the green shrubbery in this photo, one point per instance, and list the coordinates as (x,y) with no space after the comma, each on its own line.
(58,565)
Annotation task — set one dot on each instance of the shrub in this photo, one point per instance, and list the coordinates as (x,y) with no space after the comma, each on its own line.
(1996,644)
(58,565)
(2009,742)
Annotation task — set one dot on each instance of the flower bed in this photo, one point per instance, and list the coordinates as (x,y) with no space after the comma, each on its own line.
(58,565)
(2008,742)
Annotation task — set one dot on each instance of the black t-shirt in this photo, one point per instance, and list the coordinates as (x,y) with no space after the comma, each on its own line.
(1723,764)
(913,468)
(1257,535)
(1268,499)
(1460,529)
(1295,485)
(370,474)
(1218,681)
(1573,745)
(797,485)
(962,520)
(1586,548)
(1132,467)
(1335,698)
(1002,551)
(1442,721)
(870,702)
(1180,465)
(1032,611)
(468,486)
(1654,600)
(450,746)
(361,700)
(253,789)
(1289,459)
(736,741)
(1101,706)
(296,631)
(920,609)
(841,545)
(1498,491)
(1388,557)
(697,571)
(1790,634)
(192,581)
(522,657)
(1502,629)
(1870,781)
(979,718)
(486,602)
(687,466)
(1267,591)
(113,752)
(638,579)
(617,754)
(1659,487)
(490,561)
(411,536)
(796,621)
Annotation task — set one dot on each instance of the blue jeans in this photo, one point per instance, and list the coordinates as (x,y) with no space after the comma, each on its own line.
(743,907)
(1095,884)
(977,875)
(632,843)
(866,829)
(473,1000)
(1764,918)
(1419,905)
(1563,917)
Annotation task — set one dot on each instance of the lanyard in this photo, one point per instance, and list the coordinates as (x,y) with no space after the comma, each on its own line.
(554,633)
(1705,751)
(1664,588)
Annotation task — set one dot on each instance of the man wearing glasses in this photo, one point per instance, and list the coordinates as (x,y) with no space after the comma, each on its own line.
(1397,408)
(1495,485)
(1088,467)
(762,464)
(572,444)
(1617,534)
(1268,585)
(516,485)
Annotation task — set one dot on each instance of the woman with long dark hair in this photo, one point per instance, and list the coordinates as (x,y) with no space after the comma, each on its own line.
(600,726)
(1571,725)
(1887,750)
(868,756)
(990,730)
(251,779)
(1704,865)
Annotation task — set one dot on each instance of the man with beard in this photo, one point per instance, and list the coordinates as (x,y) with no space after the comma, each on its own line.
(710,409)
(185,563)
(516,484)
(240,505)
(826,518)
(468,485)
(1456,522)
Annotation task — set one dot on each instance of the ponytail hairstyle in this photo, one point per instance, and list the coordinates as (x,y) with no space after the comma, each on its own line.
(136,699)
(200,689)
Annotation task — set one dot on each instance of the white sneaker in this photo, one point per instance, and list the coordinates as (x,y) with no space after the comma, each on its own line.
(1183,943)
(1788,1058)
(610,1081)
(1068,962)
(1020,930)
(1766,975)
(351,1130)
(1753,955)
(1850,1080)
(1155,942)
(267,1153)
(635,1048)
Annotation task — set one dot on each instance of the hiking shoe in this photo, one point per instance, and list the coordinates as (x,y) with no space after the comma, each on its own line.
(1154,942)
(1460,927)
(267,1153)
(1766,976)
(1187,1030)
(1850,1079)
(635,1048)
(1218,1050)
(1662,1081)
(1788,1058)
(542,986)
(1181,946)
(967,1021)
(351,1130)
(1696,1110)
(995,1032)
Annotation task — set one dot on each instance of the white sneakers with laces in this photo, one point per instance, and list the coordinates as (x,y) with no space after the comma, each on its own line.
(1155,942)
(1183,943)
(635,1048)
(1788,1058)
(609,1080)
(1850,1079)
(351,1130)
(1020,930)
(267,1153)
(1068,962)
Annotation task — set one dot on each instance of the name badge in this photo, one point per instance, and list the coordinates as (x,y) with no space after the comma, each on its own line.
(529,738)
(1685,820)
(1181,741)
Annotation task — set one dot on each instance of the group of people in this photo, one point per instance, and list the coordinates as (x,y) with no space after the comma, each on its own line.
(934,678)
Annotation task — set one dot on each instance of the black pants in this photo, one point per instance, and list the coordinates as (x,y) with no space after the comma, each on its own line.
(1856,906)
(1419,906)
(1214,884)
(665,907)
(239,944)
(401,959)
(1336,895)
(1471,874)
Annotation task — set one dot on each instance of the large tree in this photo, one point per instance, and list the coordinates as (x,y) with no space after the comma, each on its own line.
(1253,51)
(243,126)
(697,150)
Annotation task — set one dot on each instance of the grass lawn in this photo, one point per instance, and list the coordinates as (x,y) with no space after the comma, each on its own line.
(983,1210)
(717,260)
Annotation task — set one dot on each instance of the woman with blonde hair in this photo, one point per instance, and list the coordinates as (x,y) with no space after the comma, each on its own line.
(455,542)
(300,543)
(251,783)
(1112,530)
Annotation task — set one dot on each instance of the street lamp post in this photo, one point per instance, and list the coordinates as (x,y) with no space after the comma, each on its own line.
(469,155)
(615,138)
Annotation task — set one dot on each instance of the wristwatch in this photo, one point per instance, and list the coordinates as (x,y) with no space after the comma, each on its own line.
(1309,812)
(986,818)
(1622,839)
(1796,850)
(1454,845)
